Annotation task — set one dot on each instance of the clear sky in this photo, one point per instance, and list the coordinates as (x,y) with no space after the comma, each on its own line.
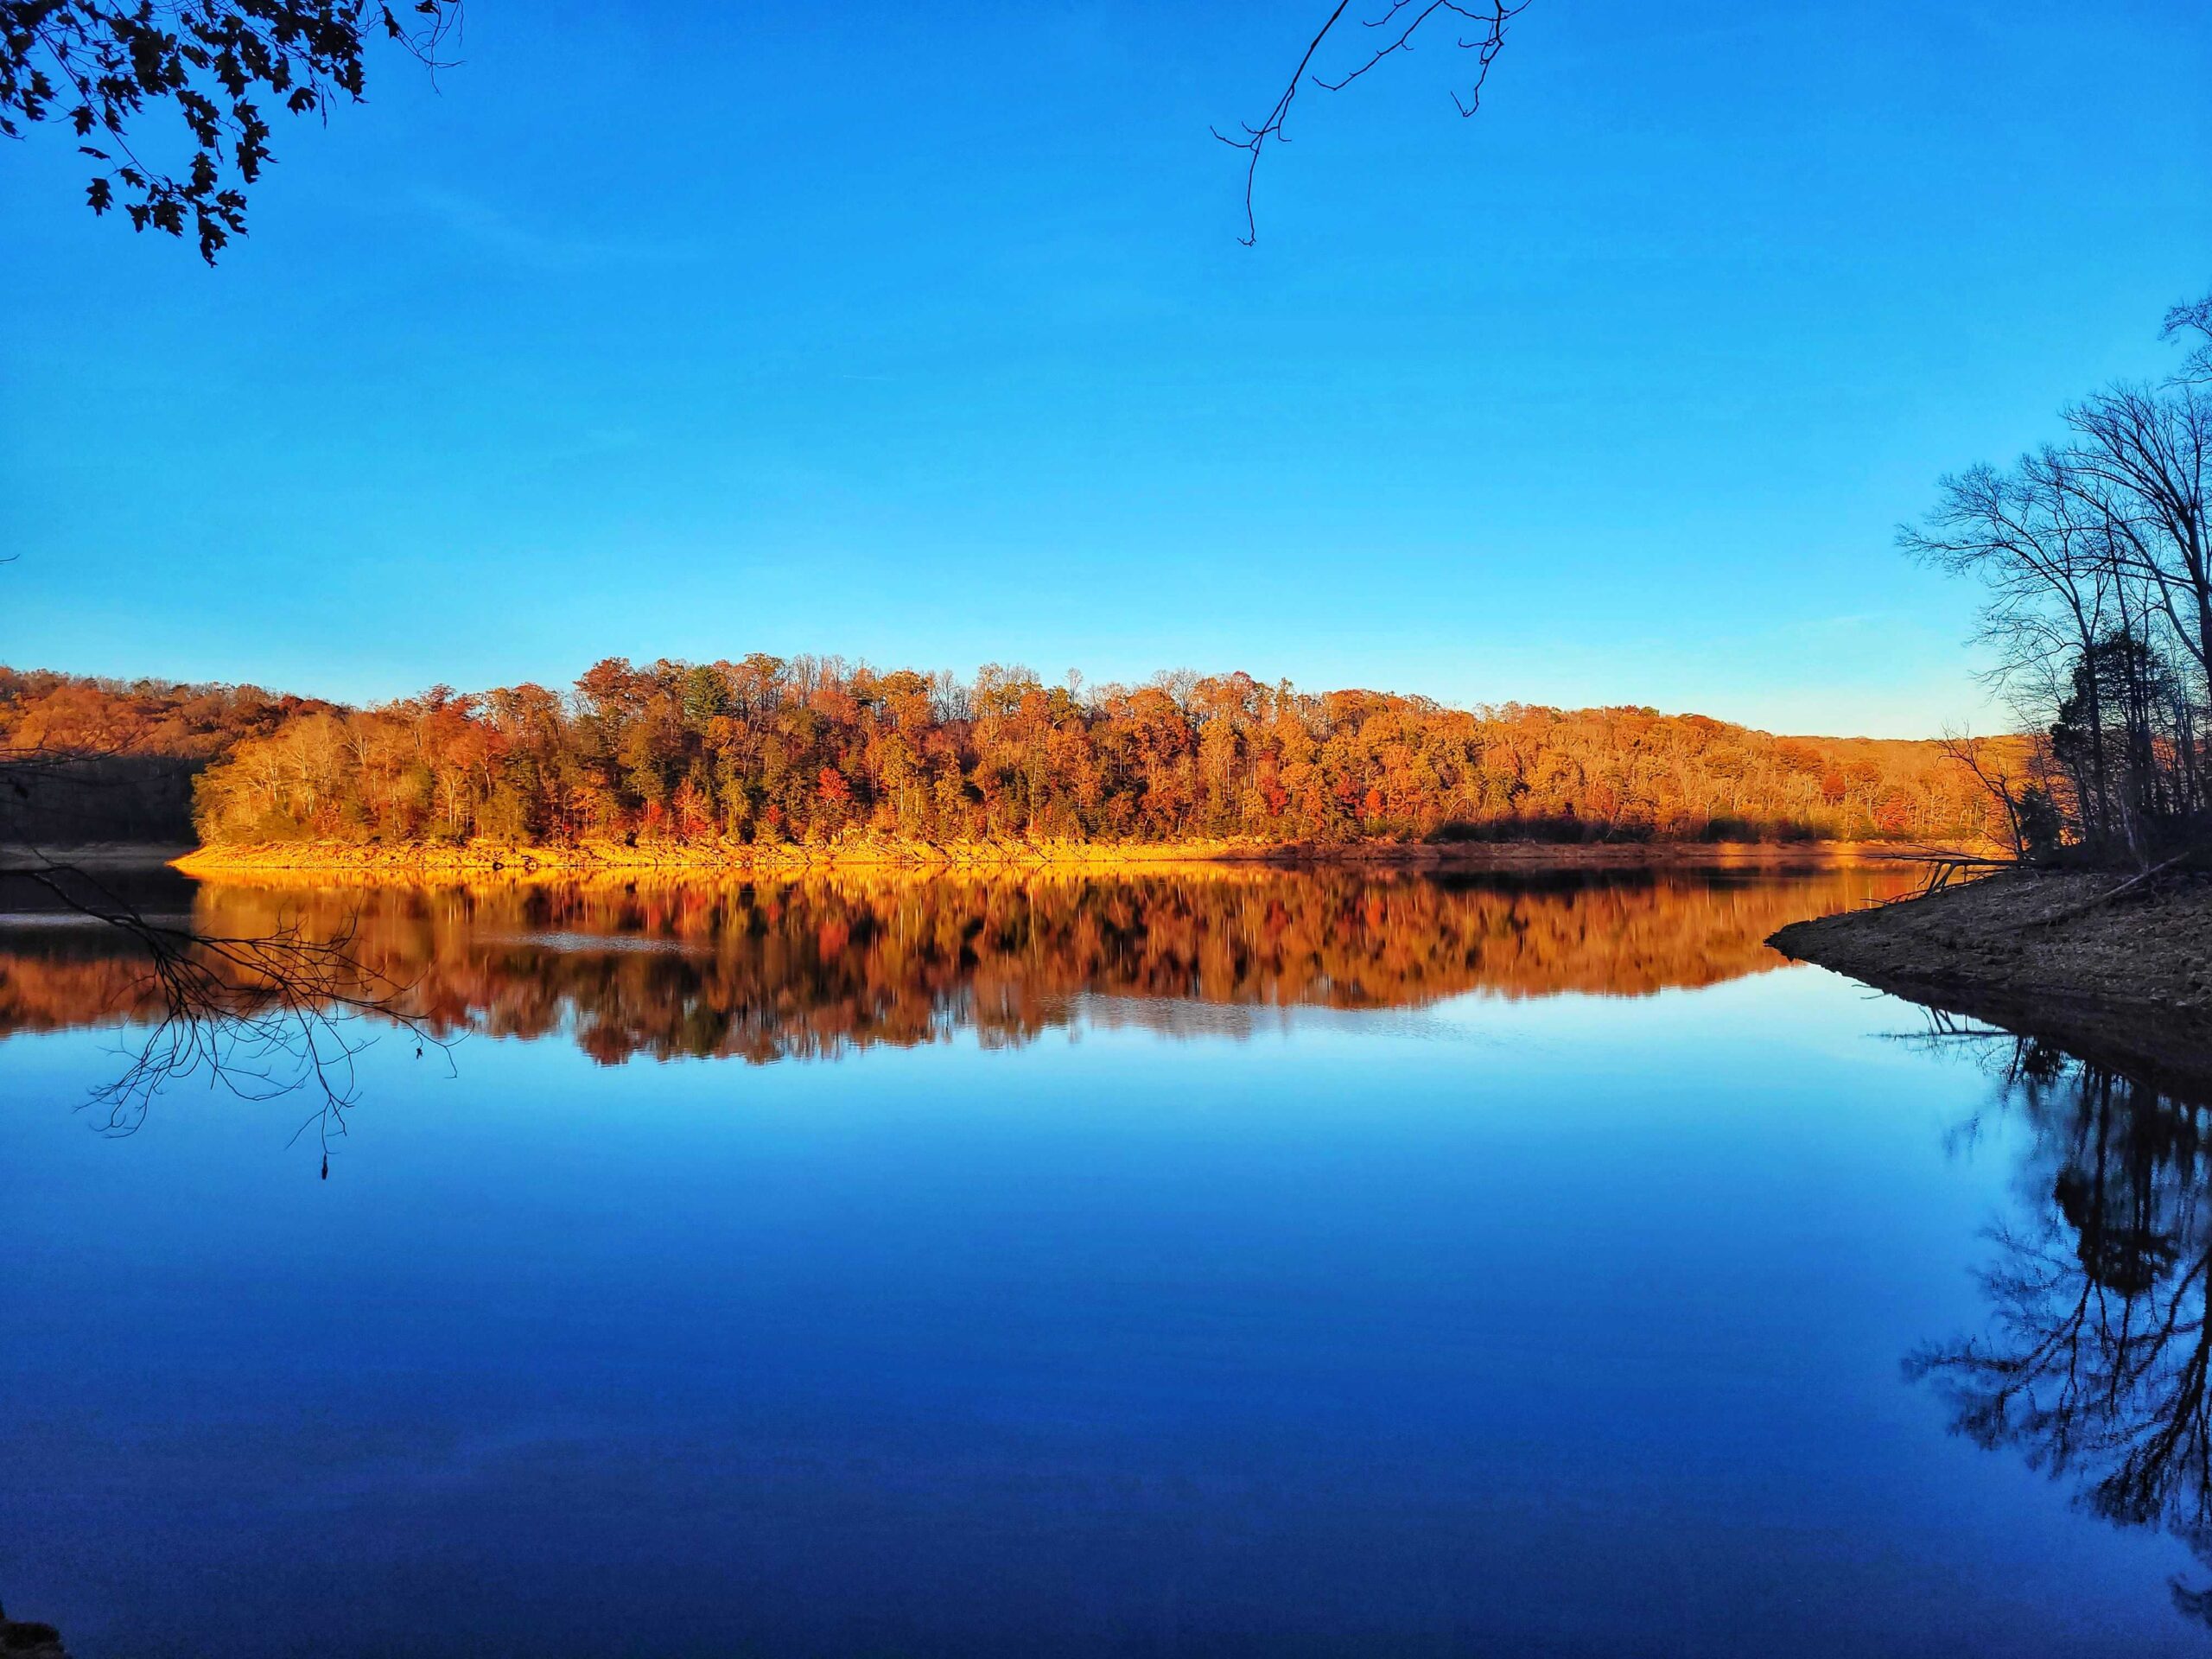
(921,335)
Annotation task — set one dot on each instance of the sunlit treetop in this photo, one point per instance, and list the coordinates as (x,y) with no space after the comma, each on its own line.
(108,70)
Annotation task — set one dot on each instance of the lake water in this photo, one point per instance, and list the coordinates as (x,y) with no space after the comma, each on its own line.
(1203,1263)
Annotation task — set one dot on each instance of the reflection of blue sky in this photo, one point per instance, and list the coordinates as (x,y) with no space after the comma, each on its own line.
(1578,1317)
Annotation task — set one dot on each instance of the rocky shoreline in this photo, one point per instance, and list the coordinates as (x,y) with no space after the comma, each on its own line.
(2122,978)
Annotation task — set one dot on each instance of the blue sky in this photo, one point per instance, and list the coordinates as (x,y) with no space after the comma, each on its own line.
(923,335)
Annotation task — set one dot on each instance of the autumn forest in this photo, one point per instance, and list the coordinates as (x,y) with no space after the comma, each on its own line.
(810,751)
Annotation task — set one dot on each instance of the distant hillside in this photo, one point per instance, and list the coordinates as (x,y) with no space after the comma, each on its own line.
(86,760)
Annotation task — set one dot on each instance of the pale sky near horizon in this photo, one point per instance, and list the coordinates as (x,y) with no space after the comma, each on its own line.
(922,335)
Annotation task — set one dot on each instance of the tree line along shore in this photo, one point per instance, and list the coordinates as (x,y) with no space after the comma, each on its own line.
(810,758)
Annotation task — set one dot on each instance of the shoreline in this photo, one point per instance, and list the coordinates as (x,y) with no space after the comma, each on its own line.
(2125,984)
(94,855)
(416,862)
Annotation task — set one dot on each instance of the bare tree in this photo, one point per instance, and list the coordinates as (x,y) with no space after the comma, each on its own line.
(2096,558)
(1981,759)
(2191,325)
(2151,449)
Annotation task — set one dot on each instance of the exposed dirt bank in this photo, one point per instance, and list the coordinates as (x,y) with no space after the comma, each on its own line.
(416,861)
(2127,982)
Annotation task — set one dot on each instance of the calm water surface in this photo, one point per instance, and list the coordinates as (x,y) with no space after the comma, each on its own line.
(1243,1263)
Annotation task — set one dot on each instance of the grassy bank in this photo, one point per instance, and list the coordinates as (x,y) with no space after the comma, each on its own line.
(418,860)
(2126,980)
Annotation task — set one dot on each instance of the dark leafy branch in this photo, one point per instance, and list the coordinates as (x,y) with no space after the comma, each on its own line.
(99,67)
(1481,27)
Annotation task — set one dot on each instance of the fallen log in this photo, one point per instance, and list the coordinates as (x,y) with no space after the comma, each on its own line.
(2087,905)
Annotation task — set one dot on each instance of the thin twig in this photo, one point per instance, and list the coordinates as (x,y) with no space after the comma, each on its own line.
(1400,24)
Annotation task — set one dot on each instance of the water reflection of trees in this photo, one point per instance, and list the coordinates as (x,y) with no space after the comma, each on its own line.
(2096,1362)
(763,971)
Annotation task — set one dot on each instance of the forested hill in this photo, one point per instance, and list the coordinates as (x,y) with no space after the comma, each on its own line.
(86,759)
(807,749)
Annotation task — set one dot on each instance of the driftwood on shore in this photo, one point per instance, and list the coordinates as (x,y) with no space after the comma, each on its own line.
(2096,899)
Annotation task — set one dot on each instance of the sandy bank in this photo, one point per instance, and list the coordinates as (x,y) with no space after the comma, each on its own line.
(2128,982)
(419,860)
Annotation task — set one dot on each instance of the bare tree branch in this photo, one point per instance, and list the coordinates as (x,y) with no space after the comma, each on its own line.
(1396,30)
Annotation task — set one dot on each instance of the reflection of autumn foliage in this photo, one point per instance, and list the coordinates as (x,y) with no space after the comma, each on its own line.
(766,970)
(41,989)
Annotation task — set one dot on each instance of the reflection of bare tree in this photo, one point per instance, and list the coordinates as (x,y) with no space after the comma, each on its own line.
(2097,1357)
(259,1011)
(263,1014)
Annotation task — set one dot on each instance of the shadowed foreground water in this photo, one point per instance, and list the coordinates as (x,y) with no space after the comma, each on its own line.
(1253,1262)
